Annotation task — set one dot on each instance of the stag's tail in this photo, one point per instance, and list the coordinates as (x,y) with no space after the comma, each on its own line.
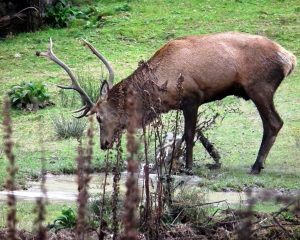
(294,63)
(288,60)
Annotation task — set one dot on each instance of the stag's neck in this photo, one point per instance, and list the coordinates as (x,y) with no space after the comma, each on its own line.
(142,89)
(149,98)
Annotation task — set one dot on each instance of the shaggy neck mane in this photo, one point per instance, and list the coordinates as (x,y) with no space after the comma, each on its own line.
(142,86)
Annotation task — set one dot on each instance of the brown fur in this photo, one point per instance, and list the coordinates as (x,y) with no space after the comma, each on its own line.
(213,67)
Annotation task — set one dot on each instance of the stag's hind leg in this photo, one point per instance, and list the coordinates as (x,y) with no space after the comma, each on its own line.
(272,123)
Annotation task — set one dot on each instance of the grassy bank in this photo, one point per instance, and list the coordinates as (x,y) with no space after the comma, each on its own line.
(127,37)
(26,215)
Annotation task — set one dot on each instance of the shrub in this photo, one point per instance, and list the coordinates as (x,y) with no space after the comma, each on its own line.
(61,13)
(29,96)
(125,7)
(189,206)
(68,98)
(64,14)
(94,210)
(67,219)
(68,127)
(89,84)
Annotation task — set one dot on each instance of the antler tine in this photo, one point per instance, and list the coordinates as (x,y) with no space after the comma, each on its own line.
(102,58)
(86,110)
(80,109)
(74,85)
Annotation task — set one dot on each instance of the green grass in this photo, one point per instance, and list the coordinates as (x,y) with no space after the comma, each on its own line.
(128,37)
(25,214)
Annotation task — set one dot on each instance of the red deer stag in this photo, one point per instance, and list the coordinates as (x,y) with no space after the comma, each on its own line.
(209,67)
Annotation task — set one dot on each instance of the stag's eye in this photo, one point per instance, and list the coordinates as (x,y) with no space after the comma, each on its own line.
(99,118)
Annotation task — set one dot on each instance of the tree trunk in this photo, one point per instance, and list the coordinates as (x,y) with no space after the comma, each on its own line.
(21,16)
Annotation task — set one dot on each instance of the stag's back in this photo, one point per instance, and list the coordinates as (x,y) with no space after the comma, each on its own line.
(214,65)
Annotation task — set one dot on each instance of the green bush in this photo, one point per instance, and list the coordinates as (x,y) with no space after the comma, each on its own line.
(125,7)
(68,127)
(29,96)
(69,98)
(188,206)
(61,13)
(64,14)
(94,208)
(192,200)
(90,85)
(67,219)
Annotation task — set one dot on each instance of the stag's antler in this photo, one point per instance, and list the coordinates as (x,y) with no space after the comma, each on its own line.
(74,85)
(102,58)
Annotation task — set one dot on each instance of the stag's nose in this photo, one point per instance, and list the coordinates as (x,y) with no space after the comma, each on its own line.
(104,145)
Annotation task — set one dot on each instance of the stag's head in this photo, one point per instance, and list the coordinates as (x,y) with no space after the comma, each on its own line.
(111,120)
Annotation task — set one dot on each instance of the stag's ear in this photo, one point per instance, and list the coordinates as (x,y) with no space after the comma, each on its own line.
(104,90)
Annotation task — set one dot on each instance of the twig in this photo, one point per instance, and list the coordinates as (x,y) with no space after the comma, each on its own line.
(276,225)
(284,209)
(146,175)
(101,232)
(211,217)
(204,204)
(116,190)
(283,228)
(177,216)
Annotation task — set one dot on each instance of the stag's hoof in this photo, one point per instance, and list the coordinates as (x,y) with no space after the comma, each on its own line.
(212,166)
(187,171)
(256,169)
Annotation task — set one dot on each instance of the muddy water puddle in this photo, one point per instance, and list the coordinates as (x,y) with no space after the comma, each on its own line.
(63,188)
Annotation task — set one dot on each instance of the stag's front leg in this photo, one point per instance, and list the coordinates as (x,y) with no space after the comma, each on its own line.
(190,120)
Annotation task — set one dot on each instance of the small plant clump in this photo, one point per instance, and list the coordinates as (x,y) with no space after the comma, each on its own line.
(64,14)
(67,219)
(68,127)
(61,13)
(89,84)
(29,96)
